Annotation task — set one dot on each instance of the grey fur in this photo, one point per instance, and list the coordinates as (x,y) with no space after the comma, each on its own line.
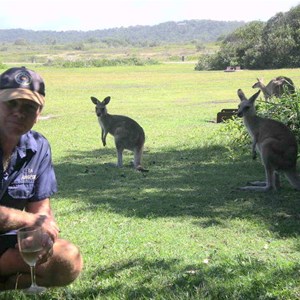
(275,143)
(128,134)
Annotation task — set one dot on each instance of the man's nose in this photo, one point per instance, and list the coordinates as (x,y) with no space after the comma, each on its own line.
(18,112)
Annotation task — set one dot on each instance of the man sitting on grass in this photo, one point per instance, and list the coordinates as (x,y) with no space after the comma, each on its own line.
(27,181)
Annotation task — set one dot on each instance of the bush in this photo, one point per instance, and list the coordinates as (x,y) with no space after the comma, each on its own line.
(204,63)
(284,109)
(3,66)
(235,137)
(133,61)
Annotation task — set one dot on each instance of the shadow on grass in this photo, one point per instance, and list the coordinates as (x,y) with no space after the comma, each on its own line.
(202,184)
(241,278)
(238,279)
(199,183)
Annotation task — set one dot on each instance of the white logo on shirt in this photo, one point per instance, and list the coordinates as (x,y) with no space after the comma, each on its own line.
(28,175)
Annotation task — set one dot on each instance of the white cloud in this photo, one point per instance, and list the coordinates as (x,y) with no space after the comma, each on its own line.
(96,14)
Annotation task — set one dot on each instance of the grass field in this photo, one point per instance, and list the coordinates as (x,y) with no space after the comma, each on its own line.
(183,230)
(41,54)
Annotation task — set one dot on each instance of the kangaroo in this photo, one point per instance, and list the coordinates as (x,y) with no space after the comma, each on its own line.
(276,87)
(128,134)
(275,143)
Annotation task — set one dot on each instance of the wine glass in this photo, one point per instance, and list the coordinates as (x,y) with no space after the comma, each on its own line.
(30,242)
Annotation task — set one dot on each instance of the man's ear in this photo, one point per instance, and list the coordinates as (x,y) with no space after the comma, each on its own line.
(38,115)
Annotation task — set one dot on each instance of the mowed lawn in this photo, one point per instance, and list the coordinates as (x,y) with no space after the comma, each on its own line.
(183,230)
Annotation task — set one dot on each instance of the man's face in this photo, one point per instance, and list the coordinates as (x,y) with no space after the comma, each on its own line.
(18,116)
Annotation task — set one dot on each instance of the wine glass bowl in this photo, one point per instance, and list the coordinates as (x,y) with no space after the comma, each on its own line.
(30,243)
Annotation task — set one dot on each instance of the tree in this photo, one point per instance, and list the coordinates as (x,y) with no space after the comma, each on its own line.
(258,45)
(21,42)
(236,47)
(278,42)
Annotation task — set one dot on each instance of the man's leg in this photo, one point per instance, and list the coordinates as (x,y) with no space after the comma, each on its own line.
(63,267)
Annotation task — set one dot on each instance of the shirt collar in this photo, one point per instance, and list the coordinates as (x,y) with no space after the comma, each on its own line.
(27,142)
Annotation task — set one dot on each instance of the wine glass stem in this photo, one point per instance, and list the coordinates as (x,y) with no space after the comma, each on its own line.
(32,272)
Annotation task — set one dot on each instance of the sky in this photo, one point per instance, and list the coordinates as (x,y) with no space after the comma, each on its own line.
(84,15)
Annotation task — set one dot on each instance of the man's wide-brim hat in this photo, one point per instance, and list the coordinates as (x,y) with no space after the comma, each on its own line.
(22,83)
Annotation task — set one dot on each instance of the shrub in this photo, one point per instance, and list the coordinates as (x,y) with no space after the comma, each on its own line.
(204,63)
(133,61)
(2,66)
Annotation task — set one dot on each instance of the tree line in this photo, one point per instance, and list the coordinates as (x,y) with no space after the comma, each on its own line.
(168,32)
(259,45)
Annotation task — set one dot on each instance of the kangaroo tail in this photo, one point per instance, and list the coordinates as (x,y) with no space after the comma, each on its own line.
(293,178)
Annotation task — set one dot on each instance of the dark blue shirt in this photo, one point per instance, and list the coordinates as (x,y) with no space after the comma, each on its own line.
(30,172)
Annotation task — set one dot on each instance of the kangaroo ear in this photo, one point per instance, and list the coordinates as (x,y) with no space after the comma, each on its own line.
(106,100)
(253,98)
(94,100)
(241,95)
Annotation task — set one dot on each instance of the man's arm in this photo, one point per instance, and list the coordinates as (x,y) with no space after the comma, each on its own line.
(36,213)
(12,219)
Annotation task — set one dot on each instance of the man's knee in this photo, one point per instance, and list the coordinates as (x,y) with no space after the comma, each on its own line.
(66,264)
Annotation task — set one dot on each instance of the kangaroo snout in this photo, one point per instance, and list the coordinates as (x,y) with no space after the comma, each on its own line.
(239,114)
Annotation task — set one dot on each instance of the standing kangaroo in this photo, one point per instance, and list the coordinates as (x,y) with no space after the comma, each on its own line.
(276,87)
(128,133)
(275,143)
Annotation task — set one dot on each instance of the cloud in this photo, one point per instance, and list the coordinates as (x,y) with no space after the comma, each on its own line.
(94,14)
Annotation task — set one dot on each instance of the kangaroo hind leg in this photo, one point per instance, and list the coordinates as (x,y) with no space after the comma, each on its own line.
(272,182)
(138,152)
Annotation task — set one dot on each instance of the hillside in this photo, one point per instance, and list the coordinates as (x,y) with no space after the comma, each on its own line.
(168,32)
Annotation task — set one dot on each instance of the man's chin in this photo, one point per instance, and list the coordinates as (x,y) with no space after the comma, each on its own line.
(16,130)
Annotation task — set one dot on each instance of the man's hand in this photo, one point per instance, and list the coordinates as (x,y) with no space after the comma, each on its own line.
(47,249)
(49,226)
(44,217)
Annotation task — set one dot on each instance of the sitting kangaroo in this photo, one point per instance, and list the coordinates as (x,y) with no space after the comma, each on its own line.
(128,133)
(275,143)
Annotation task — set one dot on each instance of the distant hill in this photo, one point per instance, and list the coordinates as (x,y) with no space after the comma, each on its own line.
(168,32)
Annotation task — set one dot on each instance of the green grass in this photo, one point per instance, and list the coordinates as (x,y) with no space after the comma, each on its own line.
(11,53)
(183,230)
